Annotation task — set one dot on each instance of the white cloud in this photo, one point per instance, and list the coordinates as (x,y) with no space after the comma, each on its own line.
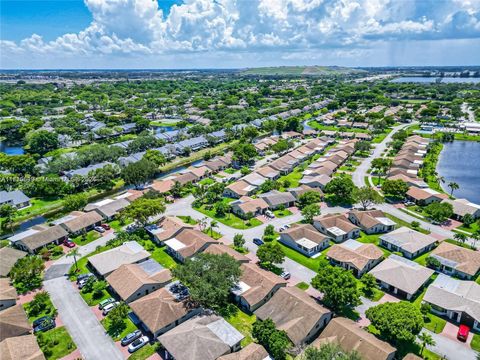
(139,27)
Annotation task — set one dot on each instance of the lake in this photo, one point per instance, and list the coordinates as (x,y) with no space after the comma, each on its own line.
(428,80)
(459,162)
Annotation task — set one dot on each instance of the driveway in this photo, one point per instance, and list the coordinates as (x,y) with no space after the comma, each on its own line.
(81,323)
(450,349)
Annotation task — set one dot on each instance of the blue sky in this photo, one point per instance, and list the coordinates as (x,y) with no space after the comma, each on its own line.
(237,33)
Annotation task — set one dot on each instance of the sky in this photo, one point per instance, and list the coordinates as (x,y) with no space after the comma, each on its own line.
(169,34)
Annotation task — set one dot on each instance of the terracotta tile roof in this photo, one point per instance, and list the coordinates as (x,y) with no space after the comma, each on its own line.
(162,186)
(305,231)
(332,220)
(193,240)
(13,322)
(250,352)
(368,219)
(9,257)
(21,348)
(219,249)
(46,236)
(355,253)
(7,291)
(457,257)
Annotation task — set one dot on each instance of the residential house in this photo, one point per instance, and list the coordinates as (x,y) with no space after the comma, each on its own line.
(355,256)
(316,181)
(411,181)
(305,239)
(219,249)
(14,322)
(21,348)
(86,170)
(205,337)
(108,208)
(424,196)
(256,287)
(78,222)
(295,312)
(246,206)
(108,261)
(9,257)
(302,189)
(457,261)
(462,207)
(132,281)
(252,351)
(166,228)
(371,221)
(268,172)
(8,294)
(281,166)
(15,198)
(187,243)
(458,300)
(163,186)
(238,189)
(186,178)
(409,242)
(352,338)
(336,227)
(200,172)
(276,199)
(38,237)
(254,179)
(401,276)
(162,310)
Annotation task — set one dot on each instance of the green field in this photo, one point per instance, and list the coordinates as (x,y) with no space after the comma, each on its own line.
(56,343)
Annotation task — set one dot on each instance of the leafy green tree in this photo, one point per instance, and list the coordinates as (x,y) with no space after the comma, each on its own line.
(415,224)
(310,211)
(339,287)
(269,230)
(42,141)
(362,146)
(308,198)
(238,241)
(329,351)
(209,278)
(432,262)
(138,173)
(8,212)
(75,202)
(275,341)
(397,322)
(155,157)
(460,237)
(468,220)
(26,274)
(439,212)
(397,188)
(142,209)
(369,284)
(270,254)
(380,166)
(116,319)
(367,196)
(98,288)
(244,153)
(341,188)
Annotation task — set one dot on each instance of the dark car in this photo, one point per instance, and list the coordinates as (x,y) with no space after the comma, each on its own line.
(131,337)
(105,226)
(83,276)
(257,241)
(69,243)
(43,324)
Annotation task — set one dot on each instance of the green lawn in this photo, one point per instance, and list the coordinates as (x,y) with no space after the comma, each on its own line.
(312,264)
(49,310)
(145,352)
(318,126)
(294,177)
(129,327)
(56,343)
(214,234)
(188,220)
(160,255)
(207,181)
(89,237)
(230,219)
(475,344)
(435,323)
(243,323)
(282,213)
(91,301)
(474,227)
(302,285)
(230,171)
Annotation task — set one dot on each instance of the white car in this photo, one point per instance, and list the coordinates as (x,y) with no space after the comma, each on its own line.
(137,344)
(110,307)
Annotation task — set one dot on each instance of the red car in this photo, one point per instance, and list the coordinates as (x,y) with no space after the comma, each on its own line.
(69,243)
(463,332)
(106,226)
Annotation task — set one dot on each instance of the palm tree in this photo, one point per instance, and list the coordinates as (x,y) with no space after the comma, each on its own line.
(460,237)
(213,225)
(74,253)
(426,339)
(453,186)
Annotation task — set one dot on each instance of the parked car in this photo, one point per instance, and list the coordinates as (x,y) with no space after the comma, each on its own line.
(131,337)
(83,276)
(463,331)
(69,243)
(43,324)
(131,228)
(286,226)
(105,302)
(137,344)
(82,282)
(282,228)
(286,275)
(99,229)
(258,241)
(106,226)
(269,214)
(110,307)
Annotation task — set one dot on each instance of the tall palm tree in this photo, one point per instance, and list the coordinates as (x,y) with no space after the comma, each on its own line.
(74,253)
(460,237)
(453,186)
(213,225)
(426,339)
